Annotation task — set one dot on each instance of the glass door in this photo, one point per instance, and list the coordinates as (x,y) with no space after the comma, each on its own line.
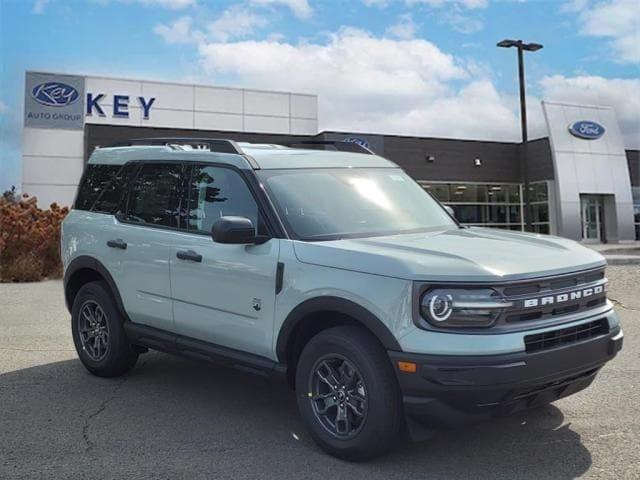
(591,218)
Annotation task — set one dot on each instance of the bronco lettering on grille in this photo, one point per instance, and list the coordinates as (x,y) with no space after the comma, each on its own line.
(564,297)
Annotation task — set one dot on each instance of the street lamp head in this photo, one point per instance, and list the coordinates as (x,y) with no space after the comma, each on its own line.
(507,43)
(531,47)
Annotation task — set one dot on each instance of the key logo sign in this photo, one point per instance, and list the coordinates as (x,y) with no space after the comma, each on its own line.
(55,94)
(586,129)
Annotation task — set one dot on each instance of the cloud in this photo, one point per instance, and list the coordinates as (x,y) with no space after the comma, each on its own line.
(178,31)
(618,20)
(463,23)
(622,94)
(169,4)
(300,8)
(376,3)
(402,86)
(468,4)
(233,23)
(405,28)
(39,6)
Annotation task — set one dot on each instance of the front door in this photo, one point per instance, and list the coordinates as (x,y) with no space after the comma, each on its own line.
(223,294)
(591,213)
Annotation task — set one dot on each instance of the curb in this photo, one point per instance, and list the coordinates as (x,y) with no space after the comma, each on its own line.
(622,260)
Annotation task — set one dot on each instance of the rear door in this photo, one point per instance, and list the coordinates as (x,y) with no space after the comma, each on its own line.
(223,294)
(143,236)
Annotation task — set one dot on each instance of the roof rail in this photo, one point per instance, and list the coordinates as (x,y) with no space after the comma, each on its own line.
(219,145)
(339,145)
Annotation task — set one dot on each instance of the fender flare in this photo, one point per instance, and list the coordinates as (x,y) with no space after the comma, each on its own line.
(335,304)
(86,262)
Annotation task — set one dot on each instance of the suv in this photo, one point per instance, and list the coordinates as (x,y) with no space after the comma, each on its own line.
(336,271)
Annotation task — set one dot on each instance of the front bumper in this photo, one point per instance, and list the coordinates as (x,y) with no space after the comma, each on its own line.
(449,390)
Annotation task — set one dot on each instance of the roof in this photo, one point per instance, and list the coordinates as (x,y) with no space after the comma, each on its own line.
(280,158)
(252,156)
(122,155)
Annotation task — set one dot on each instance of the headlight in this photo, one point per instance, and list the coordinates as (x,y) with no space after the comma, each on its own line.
(458,307)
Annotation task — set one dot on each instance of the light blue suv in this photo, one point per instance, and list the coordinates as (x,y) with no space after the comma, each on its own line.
(336,271)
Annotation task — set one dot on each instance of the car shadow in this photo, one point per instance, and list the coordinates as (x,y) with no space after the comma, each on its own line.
(172,418)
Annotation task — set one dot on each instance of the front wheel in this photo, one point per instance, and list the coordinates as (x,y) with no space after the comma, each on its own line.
(348,395)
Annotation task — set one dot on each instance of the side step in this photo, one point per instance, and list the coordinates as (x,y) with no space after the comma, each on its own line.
(172,343)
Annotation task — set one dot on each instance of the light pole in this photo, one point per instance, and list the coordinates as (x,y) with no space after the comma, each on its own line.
(529,47)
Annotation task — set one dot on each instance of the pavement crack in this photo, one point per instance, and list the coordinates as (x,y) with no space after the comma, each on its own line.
(618,303)
(89,444)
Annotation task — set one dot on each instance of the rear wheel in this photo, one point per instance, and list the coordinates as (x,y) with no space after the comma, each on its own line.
(98,332)
(348,395)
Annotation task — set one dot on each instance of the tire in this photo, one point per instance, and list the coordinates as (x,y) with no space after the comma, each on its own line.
(345,349)
(114,355)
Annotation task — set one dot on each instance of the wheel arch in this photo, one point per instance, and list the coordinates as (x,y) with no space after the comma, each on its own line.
(303,322)
(85,269)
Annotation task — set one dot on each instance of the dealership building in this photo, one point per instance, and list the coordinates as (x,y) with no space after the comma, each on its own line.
(584,185)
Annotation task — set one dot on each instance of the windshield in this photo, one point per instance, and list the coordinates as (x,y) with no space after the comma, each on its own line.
(326,204)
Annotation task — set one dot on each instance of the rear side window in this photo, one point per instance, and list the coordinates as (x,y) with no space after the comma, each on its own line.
(155,195)
(113,196)
(95,179)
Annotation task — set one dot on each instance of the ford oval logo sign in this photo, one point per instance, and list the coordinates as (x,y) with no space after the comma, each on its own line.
(359,141)
(586,129)
(55,94)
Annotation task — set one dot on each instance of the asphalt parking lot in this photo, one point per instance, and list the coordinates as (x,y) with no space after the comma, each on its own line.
(172,418)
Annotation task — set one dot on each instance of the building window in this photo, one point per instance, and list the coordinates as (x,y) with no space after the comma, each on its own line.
(496,205)
(636,209)
(539,200)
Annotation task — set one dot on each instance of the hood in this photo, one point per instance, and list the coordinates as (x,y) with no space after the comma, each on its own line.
(459,254)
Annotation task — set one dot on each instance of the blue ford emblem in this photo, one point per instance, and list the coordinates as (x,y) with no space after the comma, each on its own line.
(586,129)
(359,141)
(54,94)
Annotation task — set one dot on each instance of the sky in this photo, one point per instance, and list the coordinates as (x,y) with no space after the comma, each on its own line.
(412,67)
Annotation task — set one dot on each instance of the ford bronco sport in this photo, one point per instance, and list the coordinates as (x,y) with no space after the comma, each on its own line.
(336,271)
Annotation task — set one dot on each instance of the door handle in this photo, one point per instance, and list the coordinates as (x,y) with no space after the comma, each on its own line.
(117,243)
(189,255)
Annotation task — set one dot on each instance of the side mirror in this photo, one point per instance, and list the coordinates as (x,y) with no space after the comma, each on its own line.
(235,230)
(450,210)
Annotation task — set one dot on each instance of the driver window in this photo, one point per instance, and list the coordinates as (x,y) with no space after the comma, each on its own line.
(216,192)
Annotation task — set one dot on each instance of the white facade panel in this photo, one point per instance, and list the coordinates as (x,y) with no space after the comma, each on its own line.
(304,106)
(613,136)
(134,117)
(218,121)
(51,170)
(169,96)
(223,100)
(170,119)
(303,126)
(53,142)
(63,195)
(266,103)
(110,87)
(258,124)
(589,166)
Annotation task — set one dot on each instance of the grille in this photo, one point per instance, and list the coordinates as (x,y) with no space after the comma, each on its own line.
(564,336)
(555,297)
